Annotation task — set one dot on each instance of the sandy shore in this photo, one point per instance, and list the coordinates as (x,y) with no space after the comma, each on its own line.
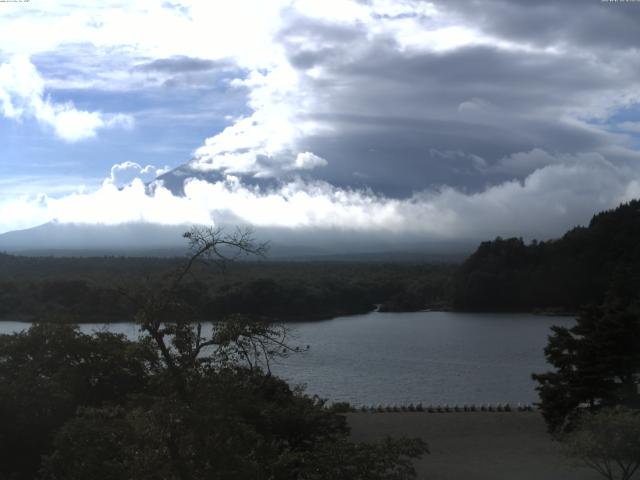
(476,446)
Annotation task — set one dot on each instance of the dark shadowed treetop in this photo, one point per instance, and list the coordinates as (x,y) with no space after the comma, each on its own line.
(586,265)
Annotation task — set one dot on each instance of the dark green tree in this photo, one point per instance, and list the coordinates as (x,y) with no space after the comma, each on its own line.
(597,364)
(49,371)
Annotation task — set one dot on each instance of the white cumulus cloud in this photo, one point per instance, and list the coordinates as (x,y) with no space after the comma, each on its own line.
(123,174)
(22,95)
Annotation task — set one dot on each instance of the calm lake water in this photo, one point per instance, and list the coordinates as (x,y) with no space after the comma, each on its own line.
(400,358)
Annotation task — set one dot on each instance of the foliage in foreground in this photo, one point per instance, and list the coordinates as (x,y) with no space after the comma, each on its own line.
(50,371)
(104,407)
(597,364)
(607,441)
(186,401)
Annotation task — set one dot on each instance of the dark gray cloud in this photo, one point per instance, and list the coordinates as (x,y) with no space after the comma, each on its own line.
(499,132)
(574,23)
(311,42)
(182,64)
(183,71)
(390,108)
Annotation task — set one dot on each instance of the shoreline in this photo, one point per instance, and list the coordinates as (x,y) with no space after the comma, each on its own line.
(318,317)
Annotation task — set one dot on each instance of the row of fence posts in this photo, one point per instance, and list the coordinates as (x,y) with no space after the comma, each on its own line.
(500,407)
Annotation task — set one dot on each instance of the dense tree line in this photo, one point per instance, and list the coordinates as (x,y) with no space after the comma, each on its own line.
(89,289)
(556,275)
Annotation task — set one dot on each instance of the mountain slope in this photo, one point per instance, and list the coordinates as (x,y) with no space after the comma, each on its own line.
(98,239)
(145,239)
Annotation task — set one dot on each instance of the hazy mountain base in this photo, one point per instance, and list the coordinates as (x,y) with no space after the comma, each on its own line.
(146,239)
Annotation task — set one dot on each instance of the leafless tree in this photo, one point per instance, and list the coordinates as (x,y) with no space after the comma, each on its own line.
(183,341)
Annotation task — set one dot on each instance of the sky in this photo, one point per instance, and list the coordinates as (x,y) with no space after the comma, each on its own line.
(440,120)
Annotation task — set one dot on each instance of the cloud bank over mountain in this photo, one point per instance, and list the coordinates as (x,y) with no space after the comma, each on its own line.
(545,201)
(439,119)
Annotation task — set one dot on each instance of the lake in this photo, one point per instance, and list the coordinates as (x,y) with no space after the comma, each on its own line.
(435,358)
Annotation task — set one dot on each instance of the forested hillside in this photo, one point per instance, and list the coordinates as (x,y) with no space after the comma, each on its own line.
(583,267)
